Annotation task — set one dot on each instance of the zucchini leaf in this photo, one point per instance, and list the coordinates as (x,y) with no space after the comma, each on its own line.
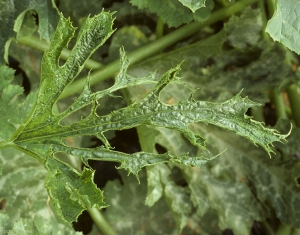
(175,13)
(14,107)
(222,65)
(22,187)
(274,181)
(44,133)
(242,185)
(193,5)
(128,213)
(284,25)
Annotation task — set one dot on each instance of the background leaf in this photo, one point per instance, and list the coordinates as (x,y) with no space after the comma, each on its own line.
(193,5)
(14,16)
(71,192)
(129,215)
(273,181)
(222,65)
(284,26)
(174,13)
(13,107)
(22,187)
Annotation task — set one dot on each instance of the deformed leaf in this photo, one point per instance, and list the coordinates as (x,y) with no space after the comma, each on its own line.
(42,135)
(133,163)
(284,25)
(22,187)
(71,192)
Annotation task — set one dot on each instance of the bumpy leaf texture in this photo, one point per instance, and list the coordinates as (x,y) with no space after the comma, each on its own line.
(43,133)
(284,26)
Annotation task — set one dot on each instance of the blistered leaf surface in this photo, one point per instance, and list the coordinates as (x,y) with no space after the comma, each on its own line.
(44,133)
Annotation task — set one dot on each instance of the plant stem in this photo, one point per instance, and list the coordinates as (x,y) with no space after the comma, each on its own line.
(279,104)
(152,48)
(271,7)
(41,45)
(6,144)
(159,28)
(101,222)
(284,230)
(261,4)
(292,92)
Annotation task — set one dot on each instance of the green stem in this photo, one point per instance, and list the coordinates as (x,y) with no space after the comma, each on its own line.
(159,28)
(6,144)
(224,3)
(261,4)
(284,230)
(271,7)
(101,222)
(279,104)
(152,48)
(41,45)
(292,92)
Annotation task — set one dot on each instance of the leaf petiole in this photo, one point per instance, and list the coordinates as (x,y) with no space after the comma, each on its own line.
(292,91)
(101,222)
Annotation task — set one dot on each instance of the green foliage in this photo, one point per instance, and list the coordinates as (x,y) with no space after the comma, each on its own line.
(173,12)
(283,26)
(17,20)
(198,165)
(24,189)
(193,5)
